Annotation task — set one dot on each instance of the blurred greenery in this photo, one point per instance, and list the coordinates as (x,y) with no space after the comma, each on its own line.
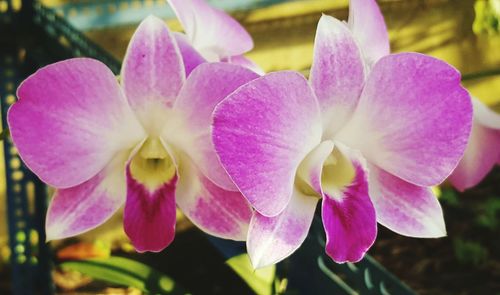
(125,272)
(449,196)
(4,134)
(260,280)
(487,17)
(470,252)
(85,250)
(488,215)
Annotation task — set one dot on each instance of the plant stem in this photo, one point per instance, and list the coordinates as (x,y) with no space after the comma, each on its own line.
(479,75)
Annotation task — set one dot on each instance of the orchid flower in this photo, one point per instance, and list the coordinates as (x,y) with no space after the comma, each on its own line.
(145,143)
(211,35)
(368,136)
(483,150)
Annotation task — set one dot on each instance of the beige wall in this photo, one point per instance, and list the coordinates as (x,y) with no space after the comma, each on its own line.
(284,35)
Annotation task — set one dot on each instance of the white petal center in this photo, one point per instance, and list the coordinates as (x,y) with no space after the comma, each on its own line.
(152,166)
(324,170)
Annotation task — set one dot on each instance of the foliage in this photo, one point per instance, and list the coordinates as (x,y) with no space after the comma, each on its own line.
(85,250)
(260,280)
(125,272)
(489,214)
(470,252)
(449,196)
(4,134)
(487,17)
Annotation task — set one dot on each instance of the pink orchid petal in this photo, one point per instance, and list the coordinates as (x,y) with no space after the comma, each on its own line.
(78,209)
(262,131)
(413,119)
(485,116)
(368,26)
(153,71)
(337,73)
(211,31)
(272,239)
(70,120)
(482,151)
(349,220)
(481,155)
(247,63)
(150,216)
(190,56)
(405,208)
(207,86)
(221,213)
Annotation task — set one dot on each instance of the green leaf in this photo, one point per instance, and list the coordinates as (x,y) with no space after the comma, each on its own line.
(125,272)
(260,280)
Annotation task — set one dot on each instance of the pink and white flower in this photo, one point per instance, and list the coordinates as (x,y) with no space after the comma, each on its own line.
(211,35)
(145,143)
(368,136)
(483,149)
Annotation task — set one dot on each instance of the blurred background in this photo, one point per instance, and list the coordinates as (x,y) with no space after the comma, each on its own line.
(465,33)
